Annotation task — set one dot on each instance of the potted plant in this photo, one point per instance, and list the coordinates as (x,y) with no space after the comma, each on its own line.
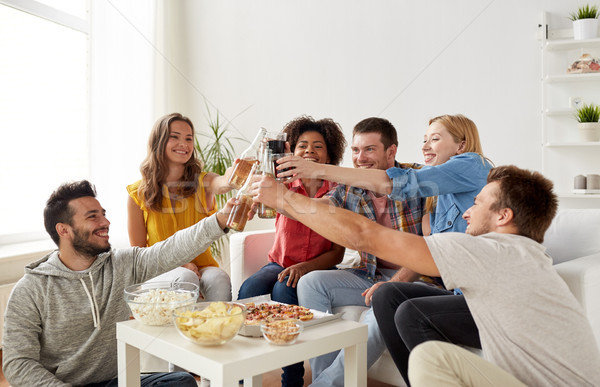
(585,22)
(217,155)
(589,127)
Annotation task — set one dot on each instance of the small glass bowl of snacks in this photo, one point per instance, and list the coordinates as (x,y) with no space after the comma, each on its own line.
(282,332)
(210,323)
(153,303)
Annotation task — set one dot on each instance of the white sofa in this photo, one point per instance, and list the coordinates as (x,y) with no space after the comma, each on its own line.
(573,240)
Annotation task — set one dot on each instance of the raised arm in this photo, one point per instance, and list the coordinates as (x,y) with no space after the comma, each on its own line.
(372,179)
(349,229)
(180,247)
(216,184)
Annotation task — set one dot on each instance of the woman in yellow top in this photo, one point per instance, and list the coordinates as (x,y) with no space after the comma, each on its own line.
(174,193)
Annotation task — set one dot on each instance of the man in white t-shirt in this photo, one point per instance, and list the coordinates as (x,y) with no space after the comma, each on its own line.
(532,329)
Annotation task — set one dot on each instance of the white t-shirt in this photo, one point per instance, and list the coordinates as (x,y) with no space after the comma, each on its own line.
(530,324)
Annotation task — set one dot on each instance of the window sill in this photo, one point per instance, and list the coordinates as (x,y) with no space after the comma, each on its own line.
(14,258)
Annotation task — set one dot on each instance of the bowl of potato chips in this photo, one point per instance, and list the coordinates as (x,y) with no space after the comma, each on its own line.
(210,323)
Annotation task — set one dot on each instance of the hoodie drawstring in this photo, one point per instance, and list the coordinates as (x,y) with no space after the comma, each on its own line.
(93,303)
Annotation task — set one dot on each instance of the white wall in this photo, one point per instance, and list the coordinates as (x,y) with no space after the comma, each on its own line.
(352,59)
(273,60)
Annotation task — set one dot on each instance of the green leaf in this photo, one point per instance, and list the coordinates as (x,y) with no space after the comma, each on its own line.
(585,12)
(588,113)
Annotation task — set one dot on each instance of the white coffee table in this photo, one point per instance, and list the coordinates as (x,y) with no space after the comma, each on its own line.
(243,357)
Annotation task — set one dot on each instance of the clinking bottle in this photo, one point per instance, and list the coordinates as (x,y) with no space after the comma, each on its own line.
(247,159)
(239,214)
(266,168)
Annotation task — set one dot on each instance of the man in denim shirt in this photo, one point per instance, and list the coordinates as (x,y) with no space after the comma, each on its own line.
(374,145)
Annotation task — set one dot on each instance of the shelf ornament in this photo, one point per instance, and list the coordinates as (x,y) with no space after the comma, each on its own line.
(585,64)
(589,127)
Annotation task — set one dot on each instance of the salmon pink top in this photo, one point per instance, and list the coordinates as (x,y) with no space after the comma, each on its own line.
(294,242)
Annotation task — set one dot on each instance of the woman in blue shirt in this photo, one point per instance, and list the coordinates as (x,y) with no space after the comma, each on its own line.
(455,171)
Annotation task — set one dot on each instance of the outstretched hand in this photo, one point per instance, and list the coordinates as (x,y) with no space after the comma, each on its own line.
(298,168)
(267,191)
(223,213)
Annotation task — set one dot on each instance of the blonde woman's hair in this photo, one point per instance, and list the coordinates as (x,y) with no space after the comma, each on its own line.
(155,169)
(462,129)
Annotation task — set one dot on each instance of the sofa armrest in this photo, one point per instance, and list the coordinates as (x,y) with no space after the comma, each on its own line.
(248,252)
(582,275)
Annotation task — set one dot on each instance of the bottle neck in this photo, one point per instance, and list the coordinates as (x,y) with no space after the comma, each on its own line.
(252,152)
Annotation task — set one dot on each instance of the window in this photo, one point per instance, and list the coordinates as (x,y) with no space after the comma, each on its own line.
(43,109)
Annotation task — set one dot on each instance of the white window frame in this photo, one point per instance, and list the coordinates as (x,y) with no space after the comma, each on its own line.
(49,13)
(64,19)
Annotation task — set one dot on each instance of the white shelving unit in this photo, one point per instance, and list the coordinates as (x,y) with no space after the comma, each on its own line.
(564,155)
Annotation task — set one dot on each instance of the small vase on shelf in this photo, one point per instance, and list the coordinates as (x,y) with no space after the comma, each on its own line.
(588,116)
(585,22)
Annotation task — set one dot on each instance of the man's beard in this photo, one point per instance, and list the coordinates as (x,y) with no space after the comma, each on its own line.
(83,247)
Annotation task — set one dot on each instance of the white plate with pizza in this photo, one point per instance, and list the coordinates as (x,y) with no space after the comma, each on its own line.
(262,308)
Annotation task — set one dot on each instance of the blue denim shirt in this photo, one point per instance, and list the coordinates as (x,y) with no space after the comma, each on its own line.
(456,183)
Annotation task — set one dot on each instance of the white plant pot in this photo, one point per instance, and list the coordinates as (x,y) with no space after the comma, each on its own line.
(585,29)
(589,131)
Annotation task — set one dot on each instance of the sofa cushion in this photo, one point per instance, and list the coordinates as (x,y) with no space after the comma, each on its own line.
(573,233)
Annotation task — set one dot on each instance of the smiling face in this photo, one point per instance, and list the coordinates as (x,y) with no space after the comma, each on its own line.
(439,145)
(89,227)
(369,152)
(179,148)
(480,218)
(311,146)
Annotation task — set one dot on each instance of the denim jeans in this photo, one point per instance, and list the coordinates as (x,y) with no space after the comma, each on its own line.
(410,314)
(327,289)
(265,281)
(162,379)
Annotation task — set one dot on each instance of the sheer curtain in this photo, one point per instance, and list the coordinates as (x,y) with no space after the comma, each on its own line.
(126,96)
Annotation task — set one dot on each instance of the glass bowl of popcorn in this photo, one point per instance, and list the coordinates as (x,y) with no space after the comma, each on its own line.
(281,332)
(153,303)
(210,323)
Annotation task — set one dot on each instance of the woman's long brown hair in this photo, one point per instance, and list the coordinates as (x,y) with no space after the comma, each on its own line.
(155,169)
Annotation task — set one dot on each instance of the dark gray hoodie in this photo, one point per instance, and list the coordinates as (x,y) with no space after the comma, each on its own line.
(60,325)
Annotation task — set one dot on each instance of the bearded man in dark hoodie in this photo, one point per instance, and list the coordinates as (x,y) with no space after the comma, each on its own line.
(60,325)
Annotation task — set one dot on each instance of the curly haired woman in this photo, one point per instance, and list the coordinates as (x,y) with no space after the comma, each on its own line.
(297,249)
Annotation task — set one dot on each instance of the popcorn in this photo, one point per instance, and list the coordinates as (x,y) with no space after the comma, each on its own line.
(155,307)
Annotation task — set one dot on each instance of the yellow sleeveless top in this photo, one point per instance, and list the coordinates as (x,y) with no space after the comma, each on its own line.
(188,211)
